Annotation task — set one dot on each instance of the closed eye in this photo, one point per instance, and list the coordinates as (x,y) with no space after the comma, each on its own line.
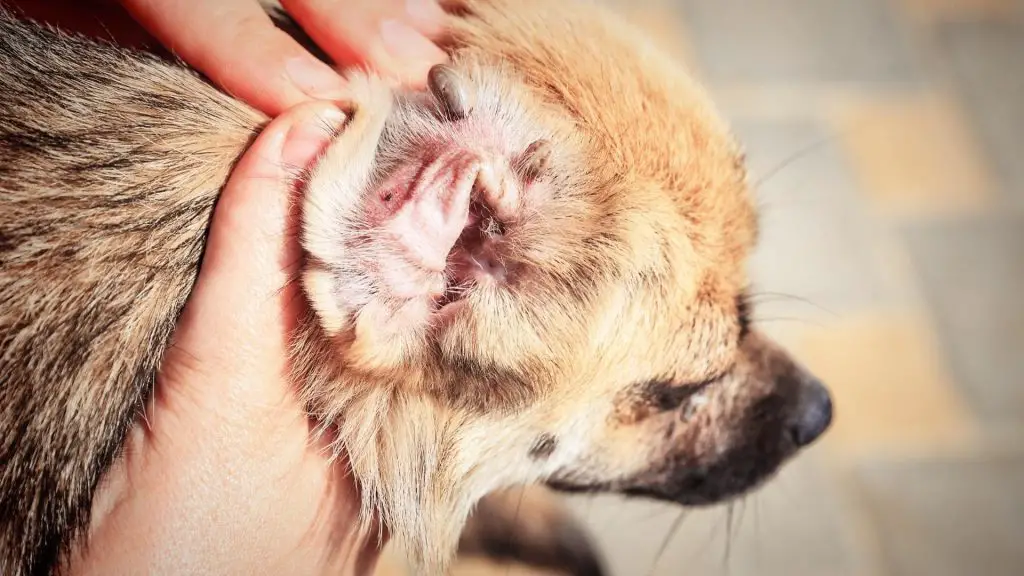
(669,395)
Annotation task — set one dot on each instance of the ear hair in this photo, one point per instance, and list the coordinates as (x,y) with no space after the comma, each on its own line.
(318,283)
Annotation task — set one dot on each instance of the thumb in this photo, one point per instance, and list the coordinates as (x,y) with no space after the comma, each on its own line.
(254,212)
(252,252)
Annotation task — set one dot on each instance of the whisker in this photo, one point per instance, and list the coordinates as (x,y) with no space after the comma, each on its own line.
(792,297)
(757,526)
(670,535)
(515,521)
(742,514)
(727,553)
(804,321)
(807,150)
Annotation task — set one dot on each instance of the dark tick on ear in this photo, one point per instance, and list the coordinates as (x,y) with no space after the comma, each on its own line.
(543,446)
(449,89)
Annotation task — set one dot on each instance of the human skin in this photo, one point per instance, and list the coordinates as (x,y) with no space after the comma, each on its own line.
(221,476)
(236,45)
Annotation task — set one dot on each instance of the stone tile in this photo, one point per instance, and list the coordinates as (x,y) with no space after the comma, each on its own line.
(782,41)
(889,384)
(972,272)
(948,517)
(664,27)
(986,61)
(819,254)
(791,527)
(789,102)
(932,11)
(915,155)
(392,563)
(477,567)
(627,531)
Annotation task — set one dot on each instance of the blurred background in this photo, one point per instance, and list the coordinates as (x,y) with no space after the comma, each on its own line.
(886,139)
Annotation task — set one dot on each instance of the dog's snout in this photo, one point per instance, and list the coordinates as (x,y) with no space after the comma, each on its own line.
(813,414)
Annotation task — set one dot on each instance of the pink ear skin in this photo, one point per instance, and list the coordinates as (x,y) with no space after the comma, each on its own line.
(426,217)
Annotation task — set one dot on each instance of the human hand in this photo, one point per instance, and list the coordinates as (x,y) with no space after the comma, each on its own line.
(221,477)
(236,45)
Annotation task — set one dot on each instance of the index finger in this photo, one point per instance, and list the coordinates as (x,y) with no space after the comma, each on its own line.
(236,45)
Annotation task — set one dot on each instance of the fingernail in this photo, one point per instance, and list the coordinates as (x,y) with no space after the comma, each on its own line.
(310,135)
(425,12)
(315,78)
(406,44)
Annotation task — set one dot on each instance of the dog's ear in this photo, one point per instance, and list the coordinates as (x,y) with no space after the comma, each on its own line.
(530,526)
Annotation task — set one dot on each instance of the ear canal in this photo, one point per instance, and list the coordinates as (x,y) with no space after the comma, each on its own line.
(450,91)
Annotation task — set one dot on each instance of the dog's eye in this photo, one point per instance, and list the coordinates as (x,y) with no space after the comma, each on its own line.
(669,395)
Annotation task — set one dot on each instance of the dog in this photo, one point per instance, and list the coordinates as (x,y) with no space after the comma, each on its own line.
(577,315)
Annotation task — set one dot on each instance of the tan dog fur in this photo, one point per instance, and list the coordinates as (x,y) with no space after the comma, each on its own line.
(661,222)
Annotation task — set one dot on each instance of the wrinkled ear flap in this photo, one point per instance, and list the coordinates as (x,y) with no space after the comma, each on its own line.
(530,526)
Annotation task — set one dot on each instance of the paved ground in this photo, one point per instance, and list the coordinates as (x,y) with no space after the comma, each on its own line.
(896,231)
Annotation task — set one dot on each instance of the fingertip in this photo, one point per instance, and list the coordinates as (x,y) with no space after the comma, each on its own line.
(291,141)
(312,129)
(315,78)
(426,16)
(411,54)
(393,40)
(251,242)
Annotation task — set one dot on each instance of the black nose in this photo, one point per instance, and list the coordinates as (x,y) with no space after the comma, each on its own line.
(813,414)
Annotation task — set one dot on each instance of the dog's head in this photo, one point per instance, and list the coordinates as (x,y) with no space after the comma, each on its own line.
(535,271)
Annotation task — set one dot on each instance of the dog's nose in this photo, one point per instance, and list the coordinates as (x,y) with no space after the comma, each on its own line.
(813,414)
